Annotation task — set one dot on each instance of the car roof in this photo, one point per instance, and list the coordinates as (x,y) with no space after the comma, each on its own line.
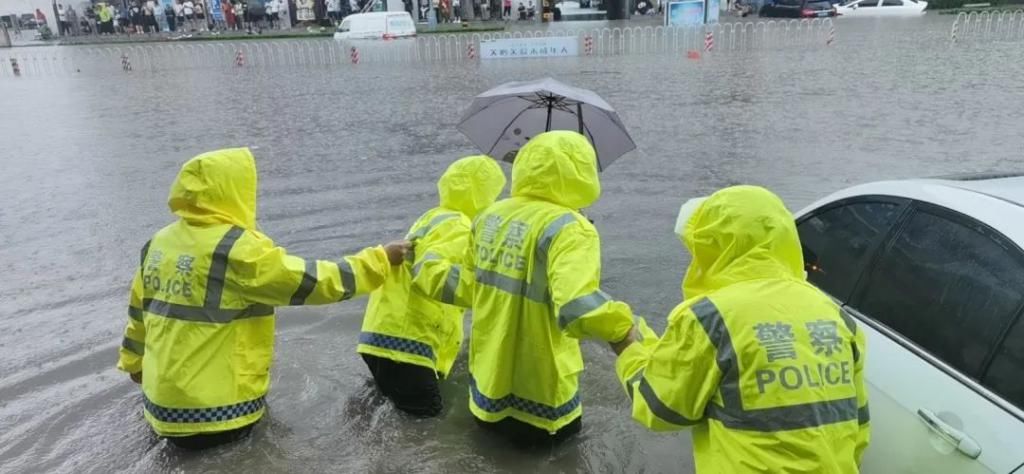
(1006,186)
(997,199)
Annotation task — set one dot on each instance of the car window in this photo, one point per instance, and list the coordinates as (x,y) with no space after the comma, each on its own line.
(819,5)
(1003,375)
(868,3)
(892,3)
(400,23)
(789,3)
(837,242)
(950,286)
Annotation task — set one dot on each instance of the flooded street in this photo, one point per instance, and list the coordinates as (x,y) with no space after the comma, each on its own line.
(349,156)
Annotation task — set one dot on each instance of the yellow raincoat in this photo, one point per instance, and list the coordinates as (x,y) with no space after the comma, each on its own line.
(201,310)
(403,324)
(765,367)
(532,281)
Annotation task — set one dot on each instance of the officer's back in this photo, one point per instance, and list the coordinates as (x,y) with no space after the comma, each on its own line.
(762,364)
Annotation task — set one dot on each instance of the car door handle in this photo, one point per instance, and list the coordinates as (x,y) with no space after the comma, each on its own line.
(963,443)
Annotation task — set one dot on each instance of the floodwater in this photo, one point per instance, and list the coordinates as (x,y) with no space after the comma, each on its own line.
(348,157)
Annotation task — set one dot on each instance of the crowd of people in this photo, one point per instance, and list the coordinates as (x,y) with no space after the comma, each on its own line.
(200,324)
(450,11)
(252,16)
(191,16)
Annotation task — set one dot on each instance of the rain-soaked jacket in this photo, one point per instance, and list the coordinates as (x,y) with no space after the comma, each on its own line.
(201,310)
(403,324)
(532,281)
(765,367)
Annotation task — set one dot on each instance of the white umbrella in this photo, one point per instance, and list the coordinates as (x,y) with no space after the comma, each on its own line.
(503,119)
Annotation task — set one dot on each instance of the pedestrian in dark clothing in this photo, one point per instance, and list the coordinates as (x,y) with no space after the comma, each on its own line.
(169,14)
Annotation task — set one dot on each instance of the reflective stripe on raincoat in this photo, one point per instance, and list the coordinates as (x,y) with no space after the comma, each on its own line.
(532,280)
(201,309)
(403,324)
(763,365)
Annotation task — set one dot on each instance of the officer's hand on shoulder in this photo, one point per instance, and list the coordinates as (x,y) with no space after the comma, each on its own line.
(397,250)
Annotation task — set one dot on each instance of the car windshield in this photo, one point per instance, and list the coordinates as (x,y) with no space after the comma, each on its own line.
(819,5)
(788,3)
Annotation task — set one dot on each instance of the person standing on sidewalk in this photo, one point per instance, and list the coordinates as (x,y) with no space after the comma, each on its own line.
(179,14)
(62,21)
(189,8)
(149,23)
(73,20)
(271,7)
(201,15)
(169,15)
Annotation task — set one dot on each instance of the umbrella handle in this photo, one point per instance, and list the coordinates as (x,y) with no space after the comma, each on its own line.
(547,128)
(579,116)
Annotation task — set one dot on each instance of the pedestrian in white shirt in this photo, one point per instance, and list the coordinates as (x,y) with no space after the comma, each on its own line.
(334,11)
(270,7)
(189,9)
(179,15)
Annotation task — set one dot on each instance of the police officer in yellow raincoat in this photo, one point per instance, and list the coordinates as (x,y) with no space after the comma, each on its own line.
(409,340)
(765,367)
(200,331)
(532,280)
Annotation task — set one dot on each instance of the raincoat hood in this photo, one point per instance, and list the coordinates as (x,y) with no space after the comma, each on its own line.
(218,187)
(471,184)
(558,167)
(740,233)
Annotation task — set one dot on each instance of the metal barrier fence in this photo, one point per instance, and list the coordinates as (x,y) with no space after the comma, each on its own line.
(989,25)
(451,48)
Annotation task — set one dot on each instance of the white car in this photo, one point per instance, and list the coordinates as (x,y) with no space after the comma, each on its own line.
(933,270)
(874,8)
(376,26)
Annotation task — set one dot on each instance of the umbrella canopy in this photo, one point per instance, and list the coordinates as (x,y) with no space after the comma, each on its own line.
(503,119)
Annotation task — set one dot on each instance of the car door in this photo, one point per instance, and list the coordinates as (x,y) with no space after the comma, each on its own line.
(938,304)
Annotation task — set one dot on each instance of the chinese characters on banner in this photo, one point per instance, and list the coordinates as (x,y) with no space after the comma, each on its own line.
(518,48)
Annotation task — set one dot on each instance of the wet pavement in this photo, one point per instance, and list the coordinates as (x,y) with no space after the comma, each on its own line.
(349,156)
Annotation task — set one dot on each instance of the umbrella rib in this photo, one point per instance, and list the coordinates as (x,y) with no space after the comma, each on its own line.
(502,134)
(514,97)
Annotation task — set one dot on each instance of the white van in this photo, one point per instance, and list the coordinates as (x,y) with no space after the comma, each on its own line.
(376,25)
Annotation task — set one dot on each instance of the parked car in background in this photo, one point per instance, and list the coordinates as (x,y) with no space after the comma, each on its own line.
(28,21)
(376,26)
(933,271)
(798,9)
(873,8)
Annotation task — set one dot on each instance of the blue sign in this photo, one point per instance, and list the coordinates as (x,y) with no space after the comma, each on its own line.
(218,14)
(685,13)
